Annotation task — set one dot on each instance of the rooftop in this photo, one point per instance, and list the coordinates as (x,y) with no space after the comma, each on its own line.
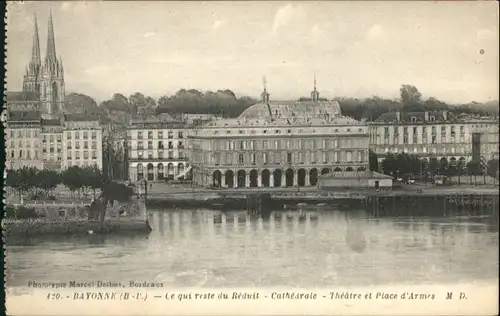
(17,116)
(416,117)
(51,122)
(285,113)
(21,96)
(80,117)
(160,118)
(288,109)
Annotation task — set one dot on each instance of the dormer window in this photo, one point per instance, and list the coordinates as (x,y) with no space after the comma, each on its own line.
(413,119)
(432,118)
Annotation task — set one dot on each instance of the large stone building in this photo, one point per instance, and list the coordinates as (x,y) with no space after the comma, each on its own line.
(82,137)
(157,149)
(432,135)
(23,140)
(72,140)
(38,132)
(278,144)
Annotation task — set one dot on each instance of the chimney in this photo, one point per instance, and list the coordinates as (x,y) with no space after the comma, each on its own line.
(426,116)
(398,116)
(445,115)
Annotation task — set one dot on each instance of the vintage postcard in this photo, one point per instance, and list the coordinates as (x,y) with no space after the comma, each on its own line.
(251,158)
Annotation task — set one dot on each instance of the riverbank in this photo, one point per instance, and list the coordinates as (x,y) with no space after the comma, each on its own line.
(15,228)
(279,198)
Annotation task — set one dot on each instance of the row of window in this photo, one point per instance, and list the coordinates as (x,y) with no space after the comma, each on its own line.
(160,168)
(278,157)
(160,145)
(27,133)
(416,129)
(161,134)
(299,144)
(51,150)
(85,155)
(85,145)
(24,133)
(159,155)
(425,140)
(85,134)
(85,163)
(26,154)
(21,144)
(280,131)
(424,150)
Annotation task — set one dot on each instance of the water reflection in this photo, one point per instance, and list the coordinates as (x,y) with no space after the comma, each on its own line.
(283,248)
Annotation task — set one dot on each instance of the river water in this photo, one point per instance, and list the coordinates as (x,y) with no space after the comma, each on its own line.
(297,249)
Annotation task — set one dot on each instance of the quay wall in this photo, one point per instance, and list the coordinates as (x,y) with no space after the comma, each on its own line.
(32,227)
(412,201)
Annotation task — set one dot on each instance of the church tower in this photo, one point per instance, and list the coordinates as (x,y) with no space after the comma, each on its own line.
(315,93)
(52,77)
(31,80)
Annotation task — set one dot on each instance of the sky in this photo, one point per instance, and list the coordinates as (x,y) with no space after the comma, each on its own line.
(448,50)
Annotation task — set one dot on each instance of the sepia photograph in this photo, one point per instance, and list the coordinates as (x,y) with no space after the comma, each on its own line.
(251,158)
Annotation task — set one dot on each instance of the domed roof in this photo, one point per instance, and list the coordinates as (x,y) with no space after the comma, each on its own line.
(292,109)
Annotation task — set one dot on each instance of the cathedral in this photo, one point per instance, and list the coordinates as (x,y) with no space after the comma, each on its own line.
(44,80)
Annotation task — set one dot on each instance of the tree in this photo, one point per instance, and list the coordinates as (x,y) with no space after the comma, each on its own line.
(473,169)
(12,180)
(27,179)
(73,178)
(443,166)
(492,168)
(433,166)
(410,96)
(110,193)
(433,104)
(373,161)
(48,180)
(389,164)
(93,178)
(222,102)
(80,103)
(114,191)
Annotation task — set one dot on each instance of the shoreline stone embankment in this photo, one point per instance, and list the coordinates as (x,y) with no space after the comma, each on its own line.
(40,226)
(28,220)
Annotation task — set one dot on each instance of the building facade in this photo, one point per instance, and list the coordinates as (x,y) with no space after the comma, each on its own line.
(82,141)
(52,146)
(431,135)
(55,144)
(157,149)
(278,144)
(22,140)
(488,138)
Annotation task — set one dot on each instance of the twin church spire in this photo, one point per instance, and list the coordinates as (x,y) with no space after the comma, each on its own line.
(50,54)
(47,78)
